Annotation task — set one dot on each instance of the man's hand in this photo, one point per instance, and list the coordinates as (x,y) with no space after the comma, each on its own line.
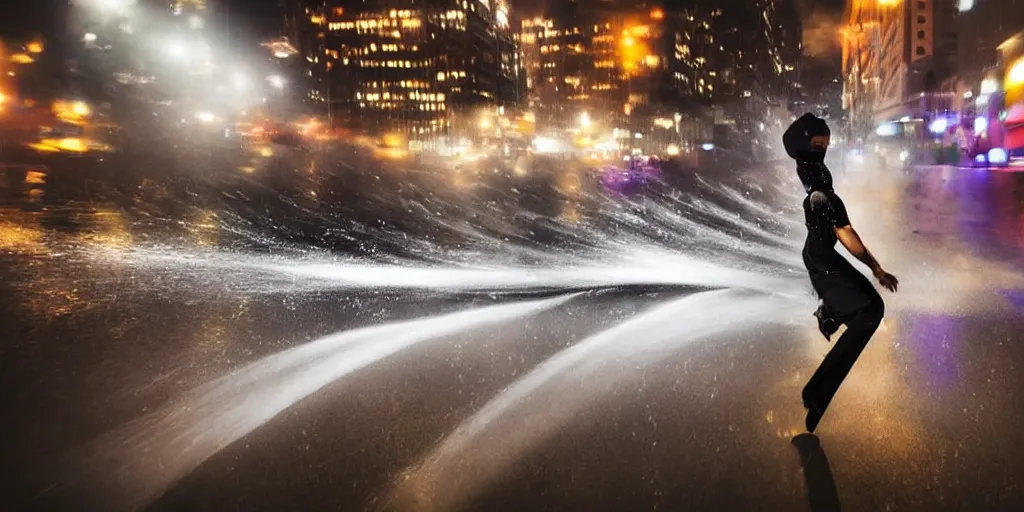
(887,280)
(851,240)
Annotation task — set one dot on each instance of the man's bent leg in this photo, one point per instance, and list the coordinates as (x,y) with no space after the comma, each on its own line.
(840,360)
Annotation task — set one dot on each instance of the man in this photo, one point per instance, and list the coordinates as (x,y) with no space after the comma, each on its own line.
(847,297)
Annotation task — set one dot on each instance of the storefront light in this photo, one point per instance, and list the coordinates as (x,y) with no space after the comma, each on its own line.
(989,86)
(1016,75)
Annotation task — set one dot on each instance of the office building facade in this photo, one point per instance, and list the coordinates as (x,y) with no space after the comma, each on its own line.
(411,66)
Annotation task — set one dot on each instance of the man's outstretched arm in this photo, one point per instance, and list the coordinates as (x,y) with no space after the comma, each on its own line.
(851,240)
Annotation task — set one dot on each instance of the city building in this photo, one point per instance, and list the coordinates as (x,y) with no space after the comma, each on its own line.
(1011,60)
(640,65)
(749,38)
(788,37)
(595,59)
(742,58)
(983,26)
(531,34)
(898,59)
(412,66)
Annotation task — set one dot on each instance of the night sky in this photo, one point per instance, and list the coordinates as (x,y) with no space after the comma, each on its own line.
(833,5)
(27,18)
(259,17)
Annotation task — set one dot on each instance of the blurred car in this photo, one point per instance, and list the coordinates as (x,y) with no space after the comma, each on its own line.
(635,176)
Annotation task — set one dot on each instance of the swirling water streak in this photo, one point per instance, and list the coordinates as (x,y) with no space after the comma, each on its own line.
(538,405)
(130,467)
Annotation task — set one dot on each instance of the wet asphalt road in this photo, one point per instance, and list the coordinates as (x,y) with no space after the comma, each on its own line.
(657,416)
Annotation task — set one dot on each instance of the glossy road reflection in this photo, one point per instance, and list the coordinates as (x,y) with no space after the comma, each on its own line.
(137,373)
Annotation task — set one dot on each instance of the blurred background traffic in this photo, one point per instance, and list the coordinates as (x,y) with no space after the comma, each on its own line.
(308,98)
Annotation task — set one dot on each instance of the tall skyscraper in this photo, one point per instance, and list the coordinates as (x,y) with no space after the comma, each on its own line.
(788,30)
(413,65)
(898,57)
(610,59)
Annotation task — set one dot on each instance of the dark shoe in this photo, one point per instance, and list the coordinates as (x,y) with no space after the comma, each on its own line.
(826,323)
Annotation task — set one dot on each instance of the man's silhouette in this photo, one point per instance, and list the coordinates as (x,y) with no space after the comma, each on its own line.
(847,297)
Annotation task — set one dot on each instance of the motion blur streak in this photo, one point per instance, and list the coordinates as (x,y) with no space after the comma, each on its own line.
(130,467)
(621,266)
(567,385)
(736,221)
(722,246)
(638,268)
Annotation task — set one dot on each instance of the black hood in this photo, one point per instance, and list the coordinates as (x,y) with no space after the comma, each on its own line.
(810,161)
(797,138)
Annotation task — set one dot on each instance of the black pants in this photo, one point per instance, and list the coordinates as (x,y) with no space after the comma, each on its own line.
(851,300)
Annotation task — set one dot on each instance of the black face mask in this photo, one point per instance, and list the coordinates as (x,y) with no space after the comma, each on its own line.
(815,176)
(812,155)
(810,160)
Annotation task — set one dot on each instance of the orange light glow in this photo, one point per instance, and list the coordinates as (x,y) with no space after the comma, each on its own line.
(74,112)
(34,47)
(1015,77)
(657,14)
(632,51)
(71,145)
(1015,82)
(22,58)
(74,145)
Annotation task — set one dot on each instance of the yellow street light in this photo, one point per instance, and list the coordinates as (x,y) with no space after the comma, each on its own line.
(34,47)
(22,58)
(79,108)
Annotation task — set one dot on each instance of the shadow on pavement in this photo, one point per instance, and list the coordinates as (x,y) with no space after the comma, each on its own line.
(821,488)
